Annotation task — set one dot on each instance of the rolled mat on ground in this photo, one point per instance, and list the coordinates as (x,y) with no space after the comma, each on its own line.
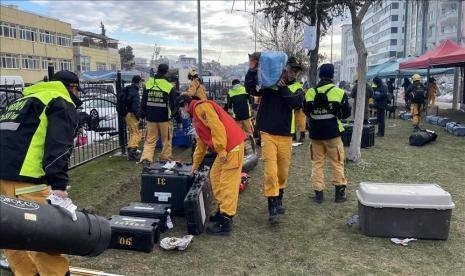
(26,225)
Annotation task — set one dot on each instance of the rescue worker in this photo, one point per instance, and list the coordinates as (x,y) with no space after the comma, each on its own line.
(218,131)
(371,102)
(432,91)
(132,117)
(325,106)
(196,89)
(157,105)
(300,121)
(405,85)
(239,101)
(381,97)
(416,94)
(275,121)
(37,133)
(368,95)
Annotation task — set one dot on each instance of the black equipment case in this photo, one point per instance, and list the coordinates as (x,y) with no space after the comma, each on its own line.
(420,211)
(148,210)
(422,137)
(26,225)
(197,203)
(159,185)
(368,135)
(133,233)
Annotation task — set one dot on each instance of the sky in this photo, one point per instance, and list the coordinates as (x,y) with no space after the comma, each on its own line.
(226,33)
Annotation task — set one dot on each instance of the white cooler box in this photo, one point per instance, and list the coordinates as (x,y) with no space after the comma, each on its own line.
(404,210)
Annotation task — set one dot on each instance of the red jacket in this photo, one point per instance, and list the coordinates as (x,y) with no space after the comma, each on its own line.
(235,135)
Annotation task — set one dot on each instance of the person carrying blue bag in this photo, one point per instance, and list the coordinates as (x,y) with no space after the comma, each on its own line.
(275,121)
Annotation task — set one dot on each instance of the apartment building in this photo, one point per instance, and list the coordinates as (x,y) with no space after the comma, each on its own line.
(94,52)
(29,43)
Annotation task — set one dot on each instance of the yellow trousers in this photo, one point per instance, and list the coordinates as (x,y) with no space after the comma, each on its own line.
(334,149)
(416,116)
(276,155)
(28,263)
(133,129)
(431,99)
(225,180)
(300,120)
(246,126)
(154,132)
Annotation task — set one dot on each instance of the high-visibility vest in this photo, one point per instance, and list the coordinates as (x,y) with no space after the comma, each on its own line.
(158,93)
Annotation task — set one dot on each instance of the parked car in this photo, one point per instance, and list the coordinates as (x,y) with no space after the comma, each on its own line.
(99,114)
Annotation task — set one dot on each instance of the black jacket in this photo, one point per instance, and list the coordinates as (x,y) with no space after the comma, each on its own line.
(240,105)
(416,93)
(59,140)
(380,96)
(132,99)
(276,106)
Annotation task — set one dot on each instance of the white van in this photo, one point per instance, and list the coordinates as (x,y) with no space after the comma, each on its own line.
(12,81)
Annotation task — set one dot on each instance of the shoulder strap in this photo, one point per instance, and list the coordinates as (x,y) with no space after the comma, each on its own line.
(329,89)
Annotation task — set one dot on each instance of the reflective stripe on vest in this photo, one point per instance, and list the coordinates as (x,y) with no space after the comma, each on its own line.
(45,92)
(334,95)
(293,88)
(30,189)
(9,126)
(158,85)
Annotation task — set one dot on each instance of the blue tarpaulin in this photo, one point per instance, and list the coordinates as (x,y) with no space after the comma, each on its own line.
(108,75)
(390,69)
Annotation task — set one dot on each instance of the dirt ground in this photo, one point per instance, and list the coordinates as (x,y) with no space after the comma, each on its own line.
(311,239)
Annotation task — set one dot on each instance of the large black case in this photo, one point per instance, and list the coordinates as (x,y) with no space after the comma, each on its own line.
(368,135)
(197,204)
(422,137)
(159,185)
(133,233)
(148,210)
(26,225)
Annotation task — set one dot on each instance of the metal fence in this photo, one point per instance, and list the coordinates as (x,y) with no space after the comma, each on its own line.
(101,130)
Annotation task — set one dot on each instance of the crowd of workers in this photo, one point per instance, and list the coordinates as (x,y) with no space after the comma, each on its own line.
(37,137)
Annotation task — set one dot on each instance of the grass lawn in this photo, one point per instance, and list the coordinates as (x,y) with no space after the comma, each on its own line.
(311,239)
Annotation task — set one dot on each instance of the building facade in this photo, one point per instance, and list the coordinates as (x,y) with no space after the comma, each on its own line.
(30,42)
(348,66)
(443,20)
(94,52)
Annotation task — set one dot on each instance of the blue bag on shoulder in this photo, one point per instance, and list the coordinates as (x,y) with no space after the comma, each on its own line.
(270,68)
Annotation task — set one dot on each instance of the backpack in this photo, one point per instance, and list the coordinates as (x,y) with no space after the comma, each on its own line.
(321,99)
(422,137)
(121,99)
(419,94)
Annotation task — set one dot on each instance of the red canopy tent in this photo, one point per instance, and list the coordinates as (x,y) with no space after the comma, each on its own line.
(448,54)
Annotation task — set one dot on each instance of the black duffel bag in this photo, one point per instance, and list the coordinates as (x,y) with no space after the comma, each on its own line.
(422,137)
(26,225)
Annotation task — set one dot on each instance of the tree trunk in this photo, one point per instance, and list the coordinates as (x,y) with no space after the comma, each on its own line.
(354,149)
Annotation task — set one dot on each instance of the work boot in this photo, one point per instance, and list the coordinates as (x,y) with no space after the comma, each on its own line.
(318,197)
(273,209)
(281,209)
(146,164)
(132,154)
(302,137)
(222,227)
(340,194)
(215,217)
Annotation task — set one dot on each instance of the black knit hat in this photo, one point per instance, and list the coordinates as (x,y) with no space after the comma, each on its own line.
(162,69)
(67,78)
(136,79)
(182,100)
(326,71)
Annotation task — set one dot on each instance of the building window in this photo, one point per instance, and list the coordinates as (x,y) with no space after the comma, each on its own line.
(9,61)
(113,67)
(47,61)
(393,30)
(7,30)
(47,37)
(63,40)
(26,33)
(30,62)
(65,64)
(393,41)
(101,66)
(85,63)
(394,17)
(395,6)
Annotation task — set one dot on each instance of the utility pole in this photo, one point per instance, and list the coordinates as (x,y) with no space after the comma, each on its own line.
(199,34)
(456,94)
(255,25)
(332,29)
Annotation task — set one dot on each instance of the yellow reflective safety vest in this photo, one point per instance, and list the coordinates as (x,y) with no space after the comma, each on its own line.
(239,102)
(157,103)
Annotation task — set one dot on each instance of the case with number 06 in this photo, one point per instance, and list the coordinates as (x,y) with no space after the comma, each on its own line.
(133,233)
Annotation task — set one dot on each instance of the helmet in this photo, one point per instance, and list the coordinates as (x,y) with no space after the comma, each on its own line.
(192,74)
(416,77)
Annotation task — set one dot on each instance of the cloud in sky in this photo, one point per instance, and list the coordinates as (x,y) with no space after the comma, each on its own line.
(170,24)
